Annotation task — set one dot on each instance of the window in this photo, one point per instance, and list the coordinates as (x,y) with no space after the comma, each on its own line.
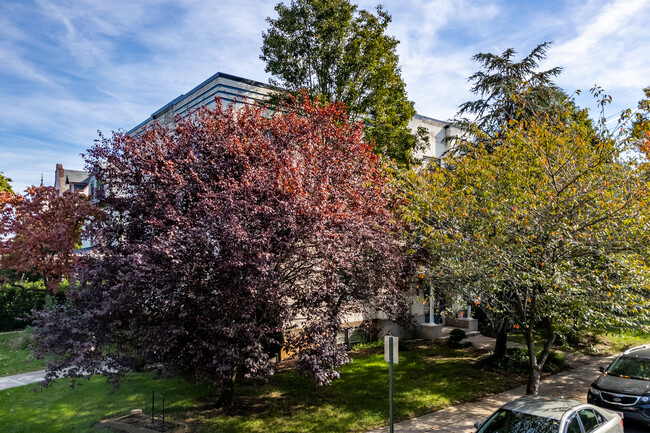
(574,426)
(590,421)
(506,421)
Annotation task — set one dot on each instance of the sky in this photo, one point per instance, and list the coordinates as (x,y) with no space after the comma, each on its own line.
(71,68)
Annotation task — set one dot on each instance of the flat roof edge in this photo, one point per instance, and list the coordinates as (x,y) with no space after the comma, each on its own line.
(198,87)
(418,115)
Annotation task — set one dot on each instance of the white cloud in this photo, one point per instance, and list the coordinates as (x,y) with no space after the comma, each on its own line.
(610,49)
(75,66)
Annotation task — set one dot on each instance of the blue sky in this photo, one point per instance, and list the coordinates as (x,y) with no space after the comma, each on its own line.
(69,68)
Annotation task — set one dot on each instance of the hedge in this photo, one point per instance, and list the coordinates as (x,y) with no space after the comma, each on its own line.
(17,301)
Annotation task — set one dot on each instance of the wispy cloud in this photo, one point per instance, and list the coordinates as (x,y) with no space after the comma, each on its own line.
(70,67)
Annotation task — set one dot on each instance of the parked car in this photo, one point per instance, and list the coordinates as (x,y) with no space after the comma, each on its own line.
(534,414)
(624,386)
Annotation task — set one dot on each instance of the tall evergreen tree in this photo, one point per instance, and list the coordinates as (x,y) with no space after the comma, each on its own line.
(509,91)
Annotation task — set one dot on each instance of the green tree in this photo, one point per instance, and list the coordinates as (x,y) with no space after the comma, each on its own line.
(339,53)
(507,91)
(4,184)
(513,93)
(640,124)
(550,228)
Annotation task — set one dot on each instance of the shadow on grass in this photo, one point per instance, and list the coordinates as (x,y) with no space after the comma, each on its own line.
(59,408)
(425,380)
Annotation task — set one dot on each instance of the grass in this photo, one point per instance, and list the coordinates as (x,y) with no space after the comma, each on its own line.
(15,356)
(615,340)
(608,342)
(427,378)
(59,408)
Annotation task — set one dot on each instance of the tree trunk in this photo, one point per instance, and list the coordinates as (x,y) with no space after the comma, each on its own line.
(532,387)
(501,345)
(533,367)
(227,391)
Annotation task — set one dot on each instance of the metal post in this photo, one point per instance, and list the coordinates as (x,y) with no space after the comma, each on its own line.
(390,382)
(163,415)
(152,406)
(431,309)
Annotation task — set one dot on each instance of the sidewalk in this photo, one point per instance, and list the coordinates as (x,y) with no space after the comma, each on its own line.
(572,384)
(21,379)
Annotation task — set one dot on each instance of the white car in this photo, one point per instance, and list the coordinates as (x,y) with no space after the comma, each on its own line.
(534,414)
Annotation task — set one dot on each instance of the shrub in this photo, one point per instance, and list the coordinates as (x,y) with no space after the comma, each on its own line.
(368,345)
(516,361)
(17,301)
(455,336)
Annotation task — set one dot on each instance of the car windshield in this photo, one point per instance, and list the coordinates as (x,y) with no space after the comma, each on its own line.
(635,368)
(506,421)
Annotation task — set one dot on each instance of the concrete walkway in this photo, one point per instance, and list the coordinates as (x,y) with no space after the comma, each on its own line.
(21,379)
(572,383)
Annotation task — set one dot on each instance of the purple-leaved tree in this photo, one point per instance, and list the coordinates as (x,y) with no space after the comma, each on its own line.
(225,237)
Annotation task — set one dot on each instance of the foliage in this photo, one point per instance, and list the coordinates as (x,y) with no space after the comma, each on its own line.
(17,300)
(5,186)
(364,345)
(226,232)
(339,53)
(456,335)
(516,361)
(550,229)
(640,124)
(508,91)
(425,379)
(39,233)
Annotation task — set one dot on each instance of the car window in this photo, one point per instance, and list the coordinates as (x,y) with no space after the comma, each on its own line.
(637,368)
(590,421)
(506,421)
(599,416)
(574,426)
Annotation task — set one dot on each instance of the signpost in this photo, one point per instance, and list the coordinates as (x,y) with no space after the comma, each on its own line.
(391,355)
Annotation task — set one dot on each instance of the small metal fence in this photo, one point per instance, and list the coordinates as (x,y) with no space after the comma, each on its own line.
(153,407)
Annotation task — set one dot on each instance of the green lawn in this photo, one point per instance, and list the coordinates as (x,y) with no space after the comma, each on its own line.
(426,379)
(15,356)
(59,408)
(615,340)
(608,342)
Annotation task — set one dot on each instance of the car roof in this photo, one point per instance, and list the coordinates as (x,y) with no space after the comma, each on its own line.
(553,408)
(638,352)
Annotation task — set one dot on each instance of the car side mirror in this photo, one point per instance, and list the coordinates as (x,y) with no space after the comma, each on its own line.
(601,369)
(478,424)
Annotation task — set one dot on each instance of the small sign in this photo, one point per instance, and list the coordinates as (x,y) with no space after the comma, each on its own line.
(387,340)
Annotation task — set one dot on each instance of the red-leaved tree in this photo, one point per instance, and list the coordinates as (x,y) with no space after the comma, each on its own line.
(227,236)
(39,232)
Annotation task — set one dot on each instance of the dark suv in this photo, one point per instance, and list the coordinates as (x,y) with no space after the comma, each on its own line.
(624,386)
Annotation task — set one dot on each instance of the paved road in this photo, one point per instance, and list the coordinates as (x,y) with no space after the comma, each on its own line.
(460,419)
